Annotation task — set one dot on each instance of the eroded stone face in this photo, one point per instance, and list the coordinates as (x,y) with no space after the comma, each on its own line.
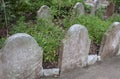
(75,48)
(44,12)
(78,9)
(110,44)
(21,57)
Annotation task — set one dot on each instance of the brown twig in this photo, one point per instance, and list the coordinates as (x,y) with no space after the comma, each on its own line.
(6,23)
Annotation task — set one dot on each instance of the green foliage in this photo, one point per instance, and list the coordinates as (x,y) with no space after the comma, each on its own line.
(87,8)
(114,18)
(47,35)
(96,27)
(2,40)
(28,8)
(100,12)
(117,2)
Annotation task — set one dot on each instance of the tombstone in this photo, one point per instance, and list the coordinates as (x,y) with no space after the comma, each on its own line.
(44,12)
(110,44)
(21,57)
(78,9)
(75,48)
(102,1)
(93,10)
(89,1)
(94,7)
(110,10)
(98,3)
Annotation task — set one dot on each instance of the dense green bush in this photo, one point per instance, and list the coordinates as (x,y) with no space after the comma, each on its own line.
(96,26)
(47,35)
(117,2)
(28,8)
(114,18)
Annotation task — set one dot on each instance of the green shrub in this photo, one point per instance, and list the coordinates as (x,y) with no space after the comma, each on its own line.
(114,18)
(96,27)
(17,8)
(2,40)
(47,35)
(87,8)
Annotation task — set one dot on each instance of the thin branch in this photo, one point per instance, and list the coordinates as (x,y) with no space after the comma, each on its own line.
(6,23)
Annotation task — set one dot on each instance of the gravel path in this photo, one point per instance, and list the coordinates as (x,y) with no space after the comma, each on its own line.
(109,69)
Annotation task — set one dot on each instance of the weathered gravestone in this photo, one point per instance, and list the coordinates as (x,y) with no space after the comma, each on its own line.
(78,9)
(101,1)
(75,48)
(21,57)
(94,7)
(44,12)
(89,0)
(110,44)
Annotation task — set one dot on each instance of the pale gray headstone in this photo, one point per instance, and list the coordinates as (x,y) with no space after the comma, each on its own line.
(22,57)
(93,10)
(75,48)
(44,12)
(98,3)
(110,44)
(94,7)
(78,9)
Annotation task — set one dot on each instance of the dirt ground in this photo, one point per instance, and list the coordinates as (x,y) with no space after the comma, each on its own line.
(109,69)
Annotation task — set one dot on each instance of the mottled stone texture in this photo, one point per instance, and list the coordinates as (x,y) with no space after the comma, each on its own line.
(1,69)
(75,48)
(78,9)
(110,44)
(21,57)
(94,7)
(44,12)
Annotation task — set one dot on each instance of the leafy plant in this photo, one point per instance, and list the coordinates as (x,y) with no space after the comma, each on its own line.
(2,40)
(114,18)
(96,27)
(47,35)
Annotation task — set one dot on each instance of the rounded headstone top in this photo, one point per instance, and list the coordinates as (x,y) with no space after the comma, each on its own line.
(23,37)
(78,4)
(45,6)
(76,28)
(44,12)
(17,35)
